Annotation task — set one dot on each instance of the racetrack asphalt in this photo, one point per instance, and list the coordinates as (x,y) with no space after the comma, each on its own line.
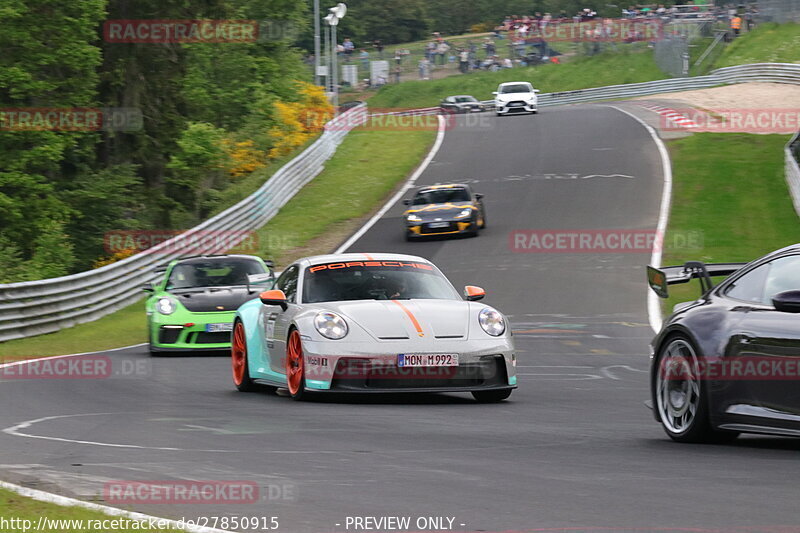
(574,447)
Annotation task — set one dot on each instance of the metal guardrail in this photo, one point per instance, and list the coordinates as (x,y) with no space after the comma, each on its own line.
(763,72)
(36,307)
(48,305)
(792,169)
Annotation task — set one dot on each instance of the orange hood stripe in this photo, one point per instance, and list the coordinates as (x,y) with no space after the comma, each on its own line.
(411,316)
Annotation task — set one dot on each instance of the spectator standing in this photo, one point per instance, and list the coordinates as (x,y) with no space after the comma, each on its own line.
(396,73)
(424,68)
(348,49)
(378,45)
(364,57)
(736,25)
(398,57)
(463,61)
(441,51)
(749,19)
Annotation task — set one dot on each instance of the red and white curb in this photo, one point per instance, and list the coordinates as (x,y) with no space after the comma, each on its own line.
(672,116)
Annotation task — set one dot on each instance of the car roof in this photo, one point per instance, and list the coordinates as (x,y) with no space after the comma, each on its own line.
(332,258)
(462,96)
(516,83)
(443,186)
(786,249)
(207,258)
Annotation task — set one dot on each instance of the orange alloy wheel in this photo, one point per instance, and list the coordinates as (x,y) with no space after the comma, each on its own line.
(294,363)
(238,354)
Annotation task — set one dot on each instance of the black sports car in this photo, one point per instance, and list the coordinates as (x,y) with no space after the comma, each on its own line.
(448,209)
(463,103)
(729,362)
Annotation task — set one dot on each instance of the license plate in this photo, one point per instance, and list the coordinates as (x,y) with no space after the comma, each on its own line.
(427,359)
(215,328)
(515,104)
(439,225)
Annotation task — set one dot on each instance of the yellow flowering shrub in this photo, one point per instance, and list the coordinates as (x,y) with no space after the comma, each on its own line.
(113,258)
(299,121)
(244,157)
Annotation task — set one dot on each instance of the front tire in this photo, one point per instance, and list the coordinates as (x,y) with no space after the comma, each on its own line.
(491,396)
(295,366)
(239,364)
(681,394)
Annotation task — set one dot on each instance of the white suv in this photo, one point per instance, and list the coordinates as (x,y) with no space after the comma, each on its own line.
(515,96)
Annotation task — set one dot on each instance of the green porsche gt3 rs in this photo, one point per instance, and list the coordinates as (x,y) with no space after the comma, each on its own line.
(193,306)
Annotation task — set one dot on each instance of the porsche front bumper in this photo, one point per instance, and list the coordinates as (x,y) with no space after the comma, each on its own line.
(348,367)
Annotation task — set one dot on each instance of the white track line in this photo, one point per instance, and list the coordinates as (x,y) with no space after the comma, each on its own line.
(63,501)
(408,184)
(26,361)
(653,304)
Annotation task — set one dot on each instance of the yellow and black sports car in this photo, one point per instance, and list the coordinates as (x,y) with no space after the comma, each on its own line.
(448,209)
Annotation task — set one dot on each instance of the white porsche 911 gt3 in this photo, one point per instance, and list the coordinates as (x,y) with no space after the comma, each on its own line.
(372,323)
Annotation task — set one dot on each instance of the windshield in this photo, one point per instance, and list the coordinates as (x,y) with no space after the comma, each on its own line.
(462,99)
(442,196)
(519,88)
(213,273)
(375,280)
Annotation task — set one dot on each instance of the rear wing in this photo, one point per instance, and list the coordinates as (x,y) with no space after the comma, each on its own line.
(660,279)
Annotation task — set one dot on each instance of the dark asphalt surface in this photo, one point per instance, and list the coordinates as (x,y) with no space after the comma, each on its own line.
(574,447)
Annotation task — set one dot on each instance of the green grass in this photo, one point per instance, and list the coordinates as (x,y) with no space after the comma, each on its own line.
(365,169)
(14,506)
(731,188)
(122,328)
(629,65)
(768,43)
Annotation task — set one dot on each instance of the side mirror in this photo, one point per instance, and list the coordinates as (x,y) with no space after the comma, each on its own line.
(479,196)
(473,293)
(787,302)
(269,262)
(274,297)
(494,93)
(537,91)
(148,287)
(406,202)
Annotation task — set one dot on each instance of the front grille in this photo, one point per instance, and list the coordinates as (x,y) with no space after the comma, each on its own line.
(516,103)
(451,226)
(168,335)
(216,337)
(361,374)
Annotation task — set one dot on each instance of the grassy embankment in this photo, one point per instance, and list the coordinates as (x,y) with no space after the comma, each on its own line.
(356,181)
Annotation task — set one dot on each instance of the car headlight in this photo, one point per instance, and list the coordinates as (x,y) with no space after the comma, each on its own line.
(414,218)
(492,322)
(166,306)
(464,213)
(330,325)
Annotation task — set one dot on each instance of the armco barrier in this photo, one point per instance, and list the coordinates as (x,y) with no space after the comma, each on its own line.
(36,307)
(43,306)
